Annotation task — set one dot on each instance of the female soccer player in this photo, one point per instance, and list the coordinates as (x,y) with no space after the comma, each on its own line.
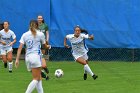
(33,40)
(79,49)
(6,45)
(44,29)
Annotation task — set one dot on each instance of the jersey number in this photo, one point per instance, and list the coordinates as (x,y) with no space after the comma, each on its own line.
(30,44)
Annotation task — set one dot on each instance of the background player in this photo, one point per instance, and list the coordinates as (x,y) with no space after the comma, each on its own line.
(44,29)
(6,45)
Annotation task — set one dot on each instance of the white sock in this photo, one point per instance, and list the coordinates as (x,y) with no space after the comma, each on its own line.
(87,68)
(39,87)
(31,86)
(10,66)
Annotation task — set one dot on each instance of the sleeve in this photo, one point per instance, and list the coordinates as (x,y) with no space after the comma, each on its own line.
(22,39)
(13,35)
(85,36)
(46,27)
(43,38)
(68,36)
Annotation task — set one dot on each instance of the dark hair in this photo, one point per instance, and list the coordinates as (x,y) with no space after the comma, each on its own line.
(82,30)
(1,26)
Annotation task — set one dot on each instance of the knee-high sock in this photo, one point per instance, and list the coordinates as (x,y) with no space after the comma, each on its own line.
(87,68)
(31,86)
(39,87)
(10,65)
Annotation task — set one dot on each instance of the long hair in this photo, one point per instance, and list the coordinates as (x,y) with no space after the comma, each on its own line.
(33,27)
(82,30)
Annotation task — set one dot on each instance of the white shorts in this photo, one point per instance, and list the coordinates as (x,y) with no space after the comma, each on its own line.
(33,61)
(85,56)
(4,51)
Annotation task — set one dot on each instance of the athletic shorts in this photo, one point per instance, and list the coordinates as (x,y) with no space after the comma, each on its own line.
(4,51)
(33,61)
(85,56)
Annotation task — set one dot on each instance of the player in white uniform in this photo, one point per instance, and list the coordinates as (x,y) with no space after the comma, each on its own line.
(6,45)
(79,49)
(33,40)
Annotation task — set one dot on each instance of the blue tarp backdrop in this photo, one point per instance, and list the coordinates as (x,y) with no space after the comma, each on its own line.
(114,23)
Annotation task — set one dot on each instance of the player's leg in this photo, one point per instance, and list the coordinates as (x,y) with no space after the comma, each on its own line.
(36,77)
(9,59)
(39,86)
(4,58)
(34,64)
(44,66)
(83,60)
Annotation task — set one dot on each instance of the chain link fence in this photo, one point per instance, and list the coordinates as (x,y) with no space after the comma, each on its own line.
(98,54)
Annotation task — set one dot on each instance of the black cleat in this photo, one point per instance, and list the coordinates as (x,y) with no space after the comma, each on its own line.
(85,76)
(10,71)
(43,75)
(47,78)
(94,76)
(5,65)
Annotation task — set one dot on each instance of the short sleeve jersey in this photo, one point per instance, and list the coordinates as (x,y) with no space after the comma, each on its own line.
(78,44)
(33,43)
(6,37)
(43,28)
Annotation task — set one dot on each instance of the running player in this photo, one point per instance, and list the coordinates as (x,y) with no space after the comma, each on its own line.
(79,49)
(33,40)
(6,45)
(44,29)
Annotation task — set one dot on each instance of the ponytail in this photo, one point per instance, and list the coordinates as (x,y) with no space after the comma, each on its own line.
(33,27)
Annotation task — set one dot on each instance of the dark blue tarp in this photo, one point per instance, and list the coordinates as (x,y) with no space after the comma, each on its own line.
(114,23)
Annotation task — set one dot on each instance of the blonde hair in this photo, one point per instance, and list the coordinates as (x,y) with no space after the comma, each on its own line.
(33,27)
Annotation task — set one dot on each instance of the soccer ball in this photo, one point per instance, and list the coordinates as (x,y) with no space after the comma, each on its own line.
(59,73)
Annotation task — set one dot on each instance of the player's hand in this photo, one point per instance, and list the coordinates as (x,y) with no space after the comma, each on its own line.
(4,43)
(48,46)
(67,46)
(11,44)
(91,37)
(16,63)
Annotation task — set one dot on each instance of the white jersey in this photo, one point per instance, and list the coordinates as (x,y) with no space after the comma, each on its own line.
(79,47)
(6,37)
(33,43)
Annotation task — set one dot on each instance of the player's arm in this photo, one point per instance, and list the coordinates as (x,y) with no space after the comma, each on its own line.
(18,55)
(44,43)
(91,37)
(47,37)
(65,43)
(14,41)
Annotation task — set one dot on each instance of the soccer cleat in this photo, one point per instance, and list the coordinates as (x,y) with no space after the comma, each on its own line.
(10,71)
(43,75)
(47,78)
(5,65)
(94,76)
(85,76)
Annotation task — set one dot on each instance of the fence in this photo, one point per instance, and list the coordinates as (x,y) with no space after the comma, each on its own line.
(95,54)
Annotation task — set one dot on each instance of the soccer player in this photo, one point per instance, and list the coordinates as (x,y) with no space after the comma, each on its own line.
(79,49)
(33,40)
(44,29)
(6,45)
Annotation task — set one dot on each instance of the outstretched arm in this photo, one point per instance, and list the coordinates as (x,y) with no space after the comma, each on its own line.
(65,43)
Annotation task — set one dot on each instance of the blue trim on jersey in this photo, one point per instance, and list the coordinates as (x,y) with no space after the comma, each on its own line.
(85,45)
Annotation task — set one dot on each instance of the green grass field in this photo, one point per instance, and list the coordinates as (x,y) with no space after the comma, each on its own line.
(114,77)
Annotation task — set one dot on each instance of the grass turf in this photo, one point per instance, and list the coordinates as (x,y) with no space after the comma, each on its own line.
(114,77)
